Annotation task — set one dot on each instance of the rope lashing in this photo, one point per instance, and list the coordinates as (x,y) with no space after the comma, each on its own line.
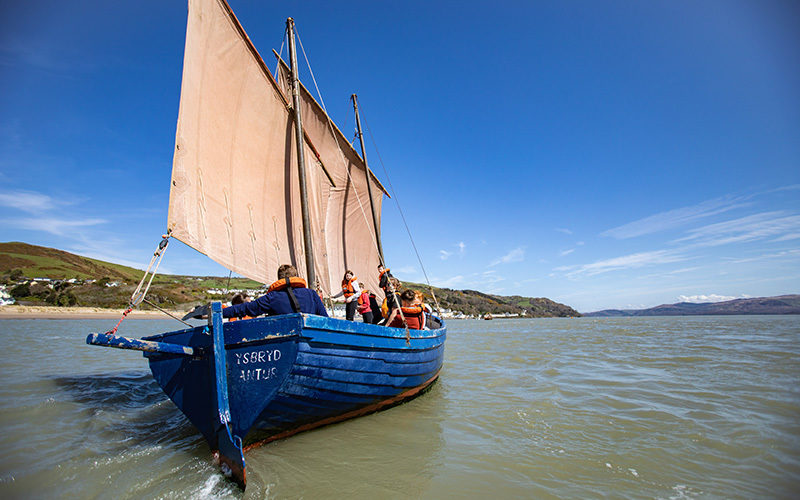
(138,295)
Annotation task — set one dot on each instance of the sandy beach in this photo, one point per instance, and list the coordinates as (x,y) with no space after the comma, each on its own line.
(45,312)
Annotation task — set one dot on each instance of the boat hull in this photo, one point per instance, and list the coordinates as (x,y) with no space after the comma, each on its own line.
(290,373)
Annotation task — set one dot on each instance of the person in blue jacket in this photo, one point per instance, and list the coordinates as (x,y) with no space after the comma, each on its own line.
(287,295)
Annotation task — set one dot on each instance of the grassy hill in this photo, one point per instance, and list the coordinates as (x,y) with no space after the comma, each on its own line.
(30,261)
(472,302)
(19,260)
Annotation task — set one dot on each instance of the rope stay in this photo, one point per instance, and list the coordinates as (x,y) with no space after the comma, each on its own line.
(338,146)
(373,234)
(138,296)
(403,217)
(358,198)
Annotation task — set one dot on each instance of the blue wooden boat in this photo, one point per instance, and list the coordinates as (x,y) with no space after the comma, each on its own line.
(246,195)
(246,383)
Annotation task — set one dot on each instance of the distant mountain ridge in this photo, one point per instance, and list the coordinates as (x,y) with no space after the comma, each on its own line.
(33,261)
(782,304)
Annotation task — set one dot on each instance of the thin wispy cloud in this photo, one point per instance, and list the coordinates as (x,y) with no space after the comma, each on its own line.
(446,254)
(678,217)
(777,224)
(52,225)
(27,201)
(515,255)
(405,270)
(448,282)
(786,254)
(633,261)
(563,230)
(566,252)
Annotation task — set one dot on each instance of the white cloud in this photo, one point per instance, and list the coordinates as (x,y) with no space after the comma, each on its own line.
(790,254)
(27,201)
(633,261)
(780,224)
(405,270)
(676,218)
(461,247)
(516,255)
(563,230)
(444,254)
(52,225)
(449,282)
(566,252)
(712,297)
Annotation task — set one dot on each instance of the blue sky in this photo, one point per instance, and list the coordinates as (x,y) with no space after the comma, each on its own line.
(601,154)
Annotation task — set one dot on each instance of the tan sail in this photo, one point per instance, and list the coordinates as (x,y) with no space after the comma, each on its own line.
(235,193)
(351,238)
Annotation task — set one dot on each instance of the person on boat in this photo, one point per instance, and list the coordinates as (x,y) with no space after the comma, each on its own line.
(364,307)
(287,295)
(375,307)
(384,275)
(239,298)
(390,302)
(413,313)
(351,292)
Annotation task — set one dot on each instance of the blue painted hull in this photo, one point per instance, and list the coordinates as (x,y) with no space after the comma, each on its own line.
(291,373)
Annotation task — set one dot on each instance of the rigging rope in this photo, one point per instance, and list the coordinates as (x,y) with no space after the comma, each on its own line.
(138,295)
(373,234)
(338,146)
(280,52)
(402,215)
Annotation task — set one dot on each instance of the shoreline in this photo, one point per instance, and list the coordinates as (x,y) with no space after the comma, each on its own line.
(52,312)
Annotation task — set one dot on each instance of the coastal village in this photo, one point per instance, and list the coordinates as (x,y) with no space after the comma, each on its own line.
(40,291)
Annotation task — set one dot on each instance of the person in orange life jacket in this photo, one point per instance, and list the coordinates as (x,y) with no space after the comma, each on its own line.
(239,298)
(384,274)
(350,291)
(364,307)
(413,313)
(287,295)
(391,302)
(431,322)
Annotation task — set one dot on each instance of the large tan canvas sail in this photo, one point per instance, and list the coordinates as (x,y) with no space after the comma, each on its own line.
(234,193)
(350,233)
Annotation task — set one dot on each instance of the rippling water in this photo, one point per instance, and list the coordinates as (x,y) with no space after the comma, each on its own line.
(695,407)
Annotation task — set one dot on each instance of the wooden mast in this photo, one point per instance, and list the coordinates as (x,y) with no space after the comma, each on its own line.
(301,164)
(369,181)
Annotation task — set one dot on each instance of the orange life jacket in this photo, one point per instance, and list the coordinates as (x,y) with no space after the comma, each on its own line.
(347,287)
(281,284)
(363,302)
(415,318)
(236,319)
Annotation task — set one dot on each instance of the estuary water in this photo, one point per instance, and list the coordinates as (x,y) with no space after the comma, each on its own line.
(678,407)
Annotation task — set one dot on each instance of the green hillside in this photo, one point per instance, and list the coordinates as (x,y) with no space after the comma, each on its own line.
(21,260)
(92,277)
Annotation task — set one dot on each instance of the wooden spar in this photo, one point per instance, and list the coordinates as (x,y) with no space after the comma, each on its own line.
(106,340)
(369,184)
(301,164)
